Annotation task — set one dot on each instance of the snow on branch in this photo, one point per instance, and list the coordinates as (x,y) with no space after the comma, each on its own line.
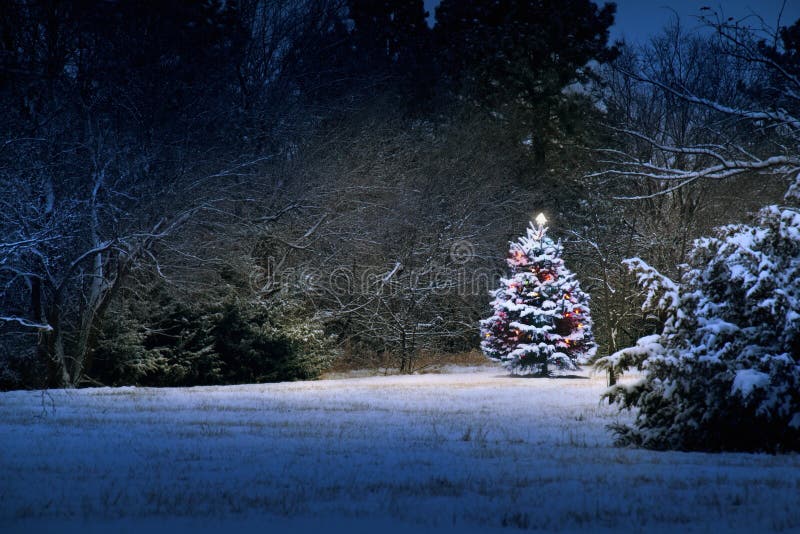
(780,116)
(631,357)
(727,169)
(21,243)
(691,125)
(662,293)
(26,322)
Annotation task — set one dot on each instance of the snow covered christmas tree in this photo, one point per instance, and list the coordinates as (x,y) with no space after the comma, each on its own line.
(541,316)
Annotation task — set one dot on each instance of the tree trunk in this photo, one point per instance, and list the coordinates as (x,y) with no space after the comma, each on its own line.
(42,354)
(403,352)
(52,347)
(60,359)
(612,377)
(87,320)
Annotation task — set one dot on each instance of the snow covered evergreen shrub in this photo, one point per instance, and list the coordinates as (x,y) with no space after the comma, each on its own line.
(165,342)
(159,341)
(259,344)
(724,374)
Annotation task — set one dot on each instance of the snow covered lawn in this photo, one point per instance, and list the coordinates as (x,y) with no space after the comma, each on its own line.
(470,450)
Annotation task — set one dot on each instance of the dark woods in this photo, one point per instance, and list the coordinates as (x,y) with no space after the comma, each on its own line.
(217,192)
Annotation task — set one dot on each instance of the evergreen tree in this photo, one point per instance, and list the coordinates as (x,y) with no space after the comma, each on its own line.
(541,316)
(514,57)
(724,374)
(390,36)
(526,48)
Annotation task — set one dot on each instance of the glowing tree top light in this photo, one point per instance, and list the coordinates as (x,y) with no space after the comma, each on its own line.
(541,317)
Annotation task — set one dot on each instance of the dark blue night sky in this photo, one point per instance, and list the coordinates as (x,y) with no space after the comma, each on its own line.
(637,20)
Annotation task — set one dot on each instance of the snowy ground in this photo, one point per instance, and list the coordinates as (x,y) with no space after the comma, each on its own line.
(466,451)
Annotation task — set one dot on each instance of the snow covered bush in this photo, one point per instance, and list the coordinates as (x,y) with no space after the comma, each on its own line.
(164,341)
(541,317)
(724,374)
(281,342)
(159,340)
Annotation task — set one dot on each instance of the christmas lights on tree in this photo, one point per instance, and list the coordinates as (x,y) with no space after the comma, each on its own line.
(541,317)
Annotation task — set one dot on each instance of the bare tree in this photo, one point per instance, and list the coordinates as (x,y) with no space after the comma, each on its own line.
(397,238)
(734,95)
(72,234)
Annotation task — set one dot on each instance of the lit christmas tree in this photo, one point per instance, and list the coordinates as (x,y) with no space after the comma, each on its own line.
(541,316)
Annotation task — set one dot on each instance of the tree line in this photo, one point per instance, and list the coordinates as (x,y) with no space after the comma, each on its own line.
(220,192)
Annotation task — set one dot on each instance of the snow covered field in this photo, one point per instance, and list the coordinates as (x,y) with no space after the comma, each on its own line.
(471,450)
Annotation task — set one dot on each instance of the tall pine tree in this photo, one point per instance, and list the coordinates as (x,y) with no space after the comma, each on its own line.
(390,36)
(526,49)
(541,316)
(514,58)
